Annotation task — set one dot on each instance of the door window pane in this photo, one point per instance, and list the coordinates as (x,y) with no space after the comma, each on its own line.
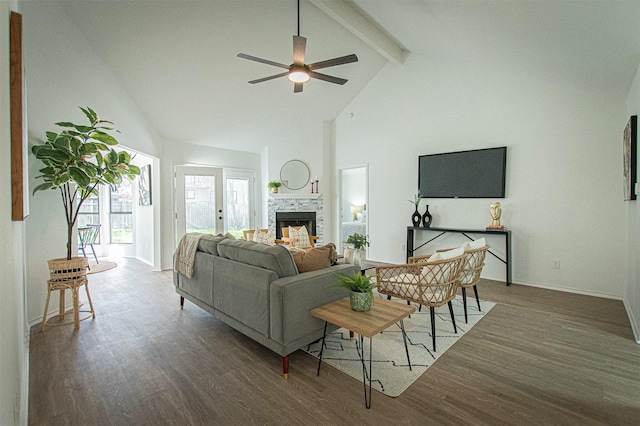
(200,203)
(237,206)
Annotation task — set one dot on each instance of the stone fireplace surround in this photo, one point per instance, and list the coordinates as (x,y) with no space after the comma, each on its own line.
(296,203)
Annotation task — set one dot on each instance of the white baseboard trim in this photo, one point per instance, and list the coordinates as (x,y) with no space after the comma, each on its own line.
(633,320)
(564,289)
(23,410)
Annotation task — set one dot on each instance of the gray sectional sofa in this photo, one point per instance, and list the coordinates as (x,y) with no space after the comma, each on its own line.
(257,290)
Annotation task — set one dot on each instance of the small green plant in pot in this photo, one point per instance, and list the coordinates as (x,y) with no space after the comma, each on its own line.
(274,185)
(359,243)
(361,290)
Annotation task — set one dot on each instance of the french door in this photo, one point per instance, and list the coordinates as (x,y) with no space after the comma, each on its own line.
(199,200)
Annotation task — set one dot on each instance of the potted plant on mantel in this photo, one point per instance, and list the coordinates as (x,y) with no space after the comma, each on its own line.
(274,185)
(77,160)
(360,290)
(359,242)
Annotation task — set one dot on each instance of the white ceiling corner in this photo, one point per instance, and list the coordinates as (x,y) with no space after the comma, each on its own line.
(353,20)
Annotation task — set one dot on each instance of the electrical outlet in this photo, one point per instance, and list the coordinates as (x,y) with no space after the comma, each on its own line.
(555,264)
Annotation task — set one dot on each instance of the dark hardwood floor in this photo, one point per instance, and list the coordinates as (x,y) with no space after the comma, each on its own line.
(539,357)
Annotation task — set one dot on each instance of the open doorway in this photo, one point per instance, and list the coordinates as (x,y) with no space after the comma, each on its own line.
(124,217)
(353,203)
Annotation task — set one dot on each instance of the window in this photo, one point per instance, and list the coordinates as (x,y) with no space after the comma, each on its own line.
(89,213)
(121,213)
(239,202)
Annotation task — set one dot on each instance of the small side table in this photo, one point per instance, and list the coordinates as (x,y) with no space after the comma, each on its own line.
(383,314)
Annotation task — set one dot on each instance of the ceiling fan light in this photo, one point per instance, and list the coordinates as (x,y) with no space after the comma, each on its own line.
(298,76)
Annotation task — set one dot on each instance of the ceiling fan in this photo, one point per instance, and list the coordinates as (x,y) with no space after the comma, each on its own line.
(299,72)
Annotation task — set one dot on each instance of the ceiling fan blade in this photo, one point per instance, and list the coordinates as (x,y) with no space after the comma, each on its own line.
(263,61)
(297,87)
(260,80)
(328,78)
(333,62)
(299,47)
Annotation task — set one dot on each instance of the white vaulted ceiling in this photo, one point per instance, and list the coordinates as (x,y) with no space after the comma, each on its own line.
(177,59)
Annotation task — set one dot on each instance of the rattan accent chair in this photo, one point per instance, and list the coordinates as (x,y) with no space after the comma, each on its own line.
(431,284)
(470,275)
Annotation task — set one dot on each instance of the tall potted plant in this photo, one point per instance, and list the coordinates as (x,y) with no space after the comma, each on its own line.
(77,160)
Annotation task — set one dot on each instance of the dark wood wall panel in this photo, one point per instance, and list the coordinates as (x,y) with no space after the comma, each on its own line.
(18,210)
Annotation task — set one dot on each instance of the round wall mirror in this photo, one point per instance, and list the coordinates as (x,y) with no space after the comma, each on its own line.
(294,174)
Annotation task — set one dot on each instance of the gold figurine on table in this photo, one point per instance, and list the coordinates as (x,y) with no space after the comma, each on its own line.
(496,212)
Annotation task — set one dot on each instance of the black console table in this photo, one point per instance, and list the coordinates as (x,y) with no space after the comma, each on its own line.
(441,231)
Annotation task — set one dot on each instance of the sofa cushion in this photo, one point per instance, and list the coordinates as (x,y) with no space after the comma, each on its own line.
(274,258)
(242,292)
(312,259)
(209,244)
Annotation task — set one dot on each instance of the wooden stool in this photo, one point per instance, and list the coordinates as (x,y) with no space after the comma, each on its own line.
(71,276)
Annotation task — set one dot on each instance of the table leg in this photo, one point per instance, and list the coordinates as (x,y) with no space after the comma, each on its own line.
(406,348)
(367,398)
(324,334)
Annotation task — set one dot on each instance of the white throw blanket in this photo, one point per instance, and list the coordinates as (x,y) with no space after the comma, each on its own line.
(185,255)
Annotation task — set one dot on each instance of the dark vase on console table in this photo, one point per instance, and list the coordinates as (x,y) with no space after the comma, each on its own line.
(426,218)
(415,218)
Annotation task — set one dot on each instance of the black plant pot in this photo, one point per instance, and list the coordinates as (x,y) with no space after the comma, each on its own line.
(415,218)
(426,218)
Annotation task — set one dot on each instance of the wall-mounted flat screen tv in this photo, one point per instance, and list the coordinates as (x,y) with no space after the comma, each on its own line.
(478,173)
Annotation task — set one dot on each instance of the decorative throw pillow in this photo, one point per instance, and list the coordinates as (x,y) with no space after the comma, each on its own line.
(436,273)
(435,256)
(311,260)
(476,244)
(264,237)
(301,235)
(449,254)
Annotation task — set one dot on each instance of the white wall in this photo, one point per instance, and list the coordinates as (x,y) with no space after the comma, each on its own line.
(144,224)
(632,232)
(564,196)
(14,332)
(305,145)
(55,93)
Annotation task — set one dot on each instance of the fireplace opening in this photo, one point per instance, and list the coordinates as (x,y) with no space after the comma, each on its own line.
(284,219)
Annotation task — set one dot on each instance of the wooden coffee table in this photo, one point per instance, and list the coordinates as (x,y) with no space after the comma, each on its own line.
(383,314)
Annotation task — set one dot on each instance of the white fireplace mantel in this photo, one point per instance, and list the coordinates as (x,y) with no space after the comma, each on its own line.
(295,196)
